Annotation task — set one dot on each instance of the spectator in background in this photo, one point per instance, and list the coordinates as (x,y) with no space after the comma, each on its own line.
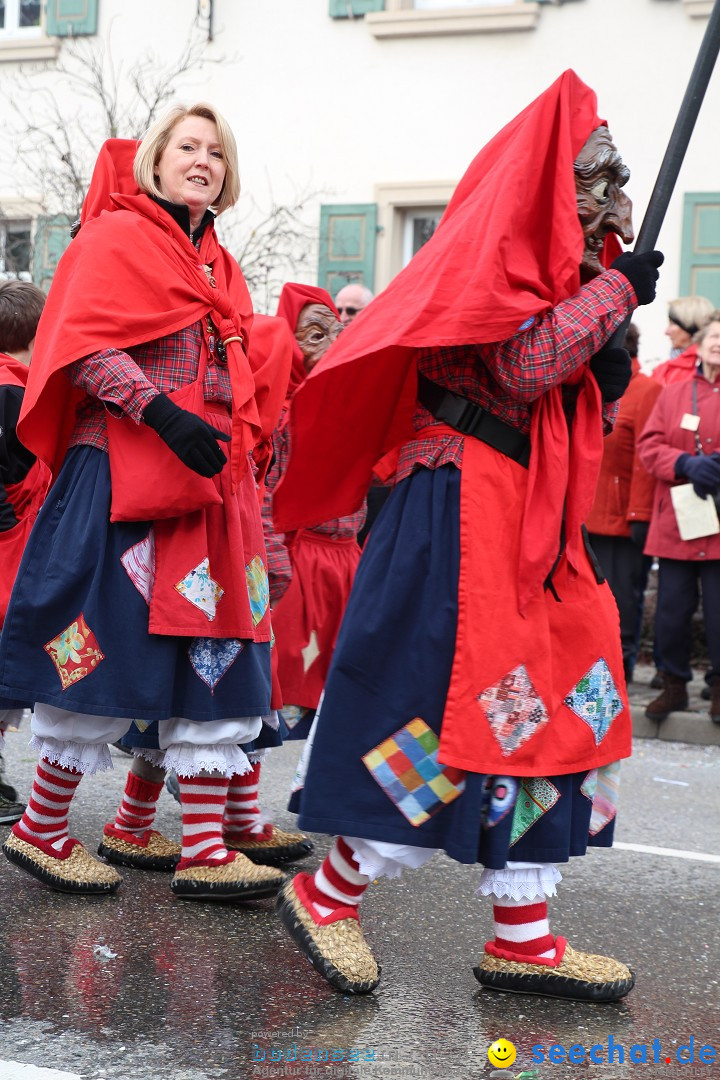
(618,522)
(681,444)
(23,480)
(351,300)
(686,316)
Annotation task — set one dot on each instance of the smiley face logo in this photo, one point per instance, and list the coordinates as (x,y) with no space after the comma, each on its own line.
(501,1054)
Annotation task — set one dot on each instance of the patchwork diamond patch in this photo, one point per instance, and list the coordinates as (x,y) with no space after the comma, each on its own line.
(498,799)
(537,795)
(293,714)
(258,589)
(139,562)
(211,657)
(605,798)
(595,699)
(406,768)
(589,785)
(201,590)
(514,709)
(74,652)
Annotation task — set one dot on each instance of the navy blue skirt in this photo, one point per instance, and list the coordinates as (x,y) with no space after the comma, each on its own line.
(76,632)
(373,770)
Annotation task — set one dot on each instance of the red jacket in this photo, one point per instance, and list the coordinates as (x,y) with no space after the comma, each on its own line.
(679,369)
(625,488)
(659,447)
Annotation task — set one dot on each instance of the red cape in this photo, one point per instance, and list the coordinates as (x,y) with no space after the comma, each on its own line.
(271,358)
(508,247)
(130,276)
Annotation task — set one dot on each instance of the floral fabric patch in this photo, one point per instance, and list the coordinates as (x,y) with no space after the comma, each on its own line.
(201,589)
(407,769)
(537,796)
(293,714)
(499,793)
(74,652)
(139,562)
(211,658)
(595,699)
(514,709)
(258,589)
(605,798)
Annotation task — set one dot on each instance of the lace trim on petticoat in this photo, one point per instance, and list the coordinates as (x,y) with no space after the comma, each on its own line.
(187,759)
(86,758)
(155,757)
(520,884)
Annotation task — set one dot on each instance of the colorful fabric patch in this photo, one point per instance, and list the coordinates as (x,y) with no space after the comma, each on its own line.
(606,796)
(589,785)
(311,652)
(201,590)
(258,589)
(537,796)
(595,699)
(211,657)
(74,652)
(499,794)
(514,709)
(139,562)
(293,714)
(406,768)
(141,725)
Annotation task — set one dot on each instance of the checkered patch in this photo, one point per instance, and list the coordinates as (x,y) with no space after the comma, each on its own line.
(514,709)
(537,796)
(595,699)
(406,768)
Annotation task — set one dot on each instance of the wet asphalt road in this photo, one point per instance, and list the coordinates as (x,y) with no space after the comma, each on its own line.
(196,991)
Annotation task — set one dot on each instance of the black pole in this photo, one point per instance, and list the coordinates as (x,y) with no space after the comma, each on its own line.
(677,147)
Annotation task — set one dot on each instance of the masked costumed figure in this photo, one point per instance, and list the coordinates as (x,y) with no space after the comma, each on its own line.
(141,607)
(476,701)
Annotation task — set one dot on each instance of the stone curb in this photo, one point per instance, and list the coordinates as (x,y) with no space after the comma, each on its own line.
(687,727)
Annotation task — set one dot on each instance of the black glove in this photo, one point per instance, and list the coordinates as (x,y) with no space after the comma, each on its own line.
(641,271)
(639,532)
(187,435)
(702,470)
(613,370)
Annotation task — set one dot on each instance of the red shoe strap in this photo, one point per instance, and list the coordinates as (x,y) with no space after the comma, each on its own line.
(138,839)
(43,846)
(521,958)
(309,894)
(185,864)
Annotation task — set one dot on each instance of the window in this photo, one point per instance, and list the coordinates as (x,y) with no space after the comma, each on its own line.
(419,225)
(20,18)
(413,18)
(15,248)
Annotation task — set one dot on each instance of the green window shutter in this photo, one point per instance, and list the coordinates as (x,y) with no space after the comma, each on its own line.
(52,236)
(700,261)
(70,18)
(347,246)
(353,9)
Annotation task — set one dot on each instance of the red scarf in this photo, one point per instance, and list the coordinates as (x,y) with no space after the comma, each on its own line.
(508,247)
(131,276)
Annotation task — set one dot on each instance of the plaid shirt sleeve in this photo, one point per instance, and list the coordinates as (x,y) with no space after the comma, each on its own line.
(115,379)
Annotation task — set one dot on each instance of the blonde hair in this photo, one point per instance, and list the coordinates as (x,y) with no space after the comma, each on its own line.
(157,137)
(690,313)
(714,316)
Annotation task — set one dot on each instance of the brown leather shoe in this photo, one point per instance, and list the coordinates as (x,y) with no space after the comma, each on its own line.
(715,700)
(674,698)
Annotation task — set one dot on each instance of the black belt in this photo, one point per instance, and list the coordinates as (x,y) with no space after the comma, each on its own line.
(471,419)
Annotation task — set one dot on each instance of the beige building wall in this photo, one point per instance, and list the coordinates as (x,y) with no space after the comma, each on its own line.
(391,108)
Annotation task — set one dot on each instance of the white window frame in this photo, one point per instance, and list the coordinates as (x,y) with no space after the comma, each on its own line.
(19,43)
(394,200)
(410,214)
(401,19)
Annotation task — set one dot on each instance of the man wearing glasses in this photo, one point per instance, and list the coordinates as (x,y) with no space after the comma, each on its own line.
(351,300)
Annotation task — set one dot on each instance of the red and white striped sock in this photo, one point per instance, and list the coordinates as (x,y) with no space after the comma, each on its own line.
(137,809)
(242,811)
(337,884)
(203,801)
(45,821)
(522,928)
